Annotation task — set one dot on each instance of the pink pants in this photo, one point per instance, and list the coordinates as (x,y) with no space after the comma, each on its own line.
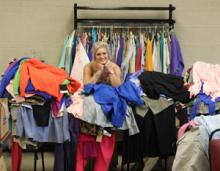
(104,152)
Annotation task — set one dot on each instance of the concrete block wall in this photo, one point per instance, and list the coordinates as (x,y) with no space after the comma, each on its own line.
(38,28)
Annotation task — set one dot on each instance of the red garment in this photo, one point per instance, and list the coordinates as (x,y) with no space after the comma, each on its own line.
(138,59)
(105,151)
(44,77)
(73,86)
(16,156)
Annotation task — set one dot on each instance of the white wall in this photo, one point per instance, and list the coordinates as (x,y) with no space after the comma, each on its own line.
(38,28)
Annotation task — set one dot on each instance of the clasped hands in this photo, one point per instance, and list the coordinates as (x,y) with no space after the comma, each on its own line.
(102,72)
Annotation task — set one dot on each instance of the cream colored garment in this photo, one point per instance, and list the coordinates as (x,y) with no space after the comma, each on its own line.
(190,155)
(129,55)
(133,53)
(81,59)
(166,56)
(149,163)
(155,105)
(3,166)
(156,54)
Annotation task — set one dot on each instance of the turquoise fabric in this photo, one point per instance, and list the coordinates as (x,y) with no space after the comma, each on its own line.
(63,56)
(161,51)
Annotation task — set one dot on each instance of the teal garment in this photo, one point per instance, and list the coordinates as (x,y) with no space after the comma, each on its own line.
(161,51)
(69,64)
(73,52)
(94,35)
(71,57)
(63,56)
(69,52)
(136,45)
(16,81)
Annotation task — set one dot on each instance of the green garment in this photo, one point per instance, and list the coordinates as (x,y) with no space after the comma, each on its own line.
(16,81)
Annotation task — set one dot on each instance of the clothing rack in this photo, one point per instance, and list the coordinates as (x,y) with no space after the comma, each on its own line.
(93,21)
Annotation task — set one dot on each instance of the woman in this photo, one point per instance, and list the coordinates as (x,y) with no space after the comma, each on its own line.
(101,147)
(101,69)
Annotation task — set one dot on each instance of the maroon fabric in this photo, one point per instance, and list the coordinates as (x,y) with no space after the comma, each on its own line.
(138,59)
(16,156)
(215,154)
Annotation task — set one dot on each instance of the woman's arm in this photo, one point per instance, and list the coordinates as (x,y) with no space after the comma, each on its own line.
(88,76)
(115,75)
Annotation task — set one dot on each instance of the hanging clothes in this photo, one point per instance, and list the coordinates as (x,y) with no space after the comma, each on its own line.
(81,59)
(156,53)
(120,52)
(176,63)
(166,56)
(149,62)
(161,52)
(143,48)
(133,54)
(132,50)
(139,54)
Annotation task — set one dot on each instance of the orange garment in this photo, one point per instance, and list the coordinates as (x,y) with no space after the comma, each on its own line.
(149,61)
(44,77)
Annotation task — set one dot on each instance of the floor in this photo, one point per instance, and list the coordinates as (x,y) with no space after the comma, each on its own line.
(28,162)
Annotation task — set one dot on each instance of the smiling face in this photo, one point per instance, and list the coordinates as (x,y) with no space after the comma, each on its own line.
(101,56)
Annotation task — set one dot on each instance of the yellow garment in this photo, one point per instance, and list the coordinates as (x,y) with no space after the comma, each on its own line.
(149,52)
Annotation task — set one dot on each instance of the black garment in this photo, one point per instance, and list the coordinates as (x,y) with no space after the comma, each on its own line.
(65,153)
(157,137)
(182,115)
(156,83)
(7,95)
(42,113)
(165,124)
(37,98)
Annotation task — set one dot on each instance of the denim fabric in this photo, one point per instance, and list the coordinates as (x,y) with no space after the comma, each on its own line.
(56,132)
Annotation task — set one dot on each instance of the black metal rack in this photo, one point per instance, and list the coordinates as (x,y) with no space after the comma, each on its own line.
(169,21)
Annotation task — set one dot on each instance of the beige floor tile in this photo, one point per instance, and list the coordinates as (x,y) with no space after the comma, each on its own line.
(28,161)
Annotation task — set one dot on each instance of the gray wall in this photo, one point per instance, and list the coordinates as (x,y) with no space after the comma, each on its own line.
(38,28)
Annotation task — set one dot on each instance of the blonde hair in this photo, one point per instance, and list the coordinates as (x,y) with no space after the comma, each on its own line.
(99,45)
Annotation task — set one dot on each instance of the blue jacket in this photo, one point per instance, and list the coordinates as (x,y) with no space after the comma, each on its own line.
(202,97)
(114,100)
(9,75)
(30,89)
